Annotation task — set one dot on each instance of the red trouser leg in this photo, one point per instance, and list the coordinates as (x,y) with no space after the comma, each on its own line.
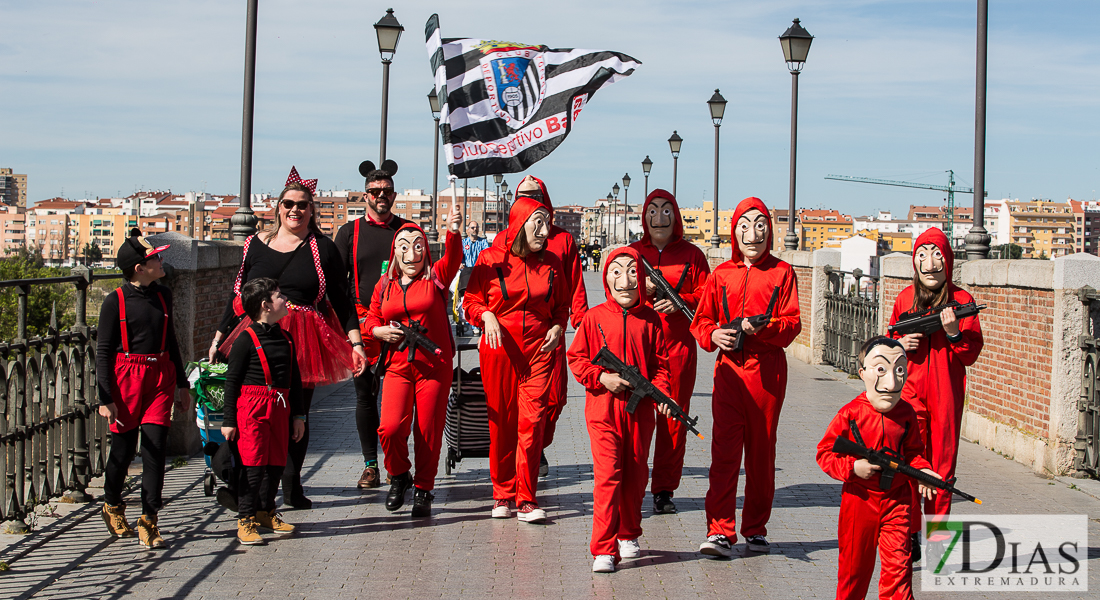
(767,379)
(432,391)
(559,379)
(501,382)
(395,419)
(914,496)
(944,425)
(726,445)
(895,579)
(671,435)
(607,471)
(638,432)
(143,390)
(857,533)
(532,392)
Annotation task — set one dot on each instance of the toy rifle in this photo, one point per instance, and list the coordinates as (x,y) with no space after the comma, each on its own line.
(891,464)
(928,321)
(413,338)
(665,290)
(640,387)
(756,321)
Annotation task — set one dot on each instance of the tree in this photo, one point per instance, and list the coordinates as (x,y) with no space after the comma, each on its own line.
(91,254)
(1009,251)
(25,263)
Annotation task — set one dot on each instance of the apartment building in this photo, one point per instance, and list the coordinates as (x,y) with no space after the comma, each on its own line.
(13,188)
(699,224)
(823,229)
(1044,229)
(13,228)
(1086,215)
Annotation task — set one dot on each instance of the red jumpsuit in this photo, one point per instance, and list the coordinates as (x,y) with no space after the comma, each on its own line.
(426,380)
(936,386)
(749,385)
(527,296)
(678,256)
(869,516)
(561,244)
(620,440)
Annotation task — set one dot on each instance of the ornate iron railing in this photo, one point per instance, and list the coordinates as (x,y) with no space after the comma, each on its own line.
(51,441)
(851,316)
(1087,444)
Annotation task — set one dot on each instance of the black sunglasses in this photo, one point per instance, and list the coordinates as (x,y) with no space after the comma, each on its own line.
(301,204)
(376,192)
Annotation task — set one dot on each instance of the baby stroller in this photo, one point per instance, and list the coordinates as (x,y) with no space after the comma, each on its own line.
(208,389)
(467,425)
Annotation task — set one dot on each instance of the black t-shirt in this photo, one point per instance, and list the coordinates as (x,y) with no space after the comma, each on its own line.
(245,368)
(375,242)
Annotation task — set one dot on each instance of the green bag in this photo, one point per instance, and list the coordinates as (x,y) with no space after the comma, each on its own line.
(208,384)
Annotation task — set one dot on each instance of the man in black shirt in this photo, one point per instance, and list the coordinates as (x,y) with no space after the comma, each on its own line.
(364,244)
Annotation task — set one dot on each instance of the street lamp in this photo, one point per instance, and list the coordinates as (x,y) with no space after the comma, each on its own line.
(507,201)
(674,143)
(614,225)
(626,208)
(389,32)
(796,47)
(433,232)
(977,240)
(717,106)
(605,230)
(646,166)
(243,221)
(497,179)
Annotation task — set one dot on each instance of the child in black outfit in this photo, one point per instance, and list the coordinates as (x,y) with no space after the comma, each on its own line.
(263,389)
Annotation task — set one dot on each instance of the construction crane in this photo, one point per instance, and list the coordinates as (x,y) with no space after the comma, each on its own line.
(950,188)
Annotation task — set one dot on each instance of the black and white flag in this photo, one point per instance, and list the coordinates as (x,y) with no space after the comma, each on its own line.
(506,105)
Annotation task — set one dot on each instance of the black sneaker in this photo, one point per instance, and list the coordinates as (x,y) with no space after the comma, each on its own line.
(396,498)
(299,502)
(662,504)
(914,547)
(758,543)
(544,466)
(422,503)
(227,498)
(718,546)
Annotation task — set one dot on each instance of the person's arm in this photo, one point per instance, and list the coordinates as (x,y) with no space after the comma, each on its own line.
(108,340)
(562,297)
(971,341)
(693,287)
(706,315)
(336,279)
(476,300)
(580,355)
(579,296)
(446,269)
(240,357)
(837,466)
(786,318)
(230,318)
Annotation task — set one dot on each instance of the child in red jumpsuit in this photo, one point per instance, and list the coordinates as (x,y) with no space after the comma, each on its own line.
(936,387)
(263,394)
(750,383)
(685,267)
(620,440)
(518,296)
(869,515)
(413,293)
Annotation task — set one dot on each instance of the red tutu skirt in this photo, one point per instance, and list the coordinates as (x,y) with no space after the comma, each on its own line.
(324,352)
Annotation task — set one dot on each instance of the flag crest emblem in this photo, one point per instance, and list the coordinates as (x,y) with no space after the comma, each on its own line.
(516,82)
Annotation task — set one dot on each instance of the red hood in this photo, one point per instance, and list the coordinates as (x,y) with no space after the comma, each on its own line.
(641,273)
(522,209)
(938,238)
(745,206)
(392,271)
(545,195)
(677,222)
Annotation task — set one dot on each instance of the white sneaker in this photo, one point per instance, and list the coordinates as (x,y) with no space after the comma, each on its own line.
(717,545)
(629,549)
(530,513)
(501,510)
(604,563)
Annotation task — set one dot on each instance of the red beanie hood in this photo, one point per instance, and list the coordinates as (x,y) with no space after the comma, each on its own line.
(745,206)
(938,238)
(545,200)
(621,250)
(522,209)
(391,270)
(677,222)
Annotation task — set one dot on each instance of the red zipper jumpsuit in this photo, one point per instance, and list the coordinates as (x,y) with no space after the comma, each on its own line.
(561,244)
(620,440)
(936,387)
(749,386)
(527,296)
(425,381)
(870,516)
(678,257)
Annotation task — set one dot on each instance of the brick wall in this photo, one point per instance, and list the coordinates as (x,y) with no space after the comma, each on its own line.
(212,293)
(889,288)
(805,278)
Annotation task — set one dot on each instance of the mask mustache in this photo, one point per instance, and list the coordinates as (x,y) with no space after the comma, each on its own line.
(932,272)
(660,225)
(625,289)
(897,391)
(753,241)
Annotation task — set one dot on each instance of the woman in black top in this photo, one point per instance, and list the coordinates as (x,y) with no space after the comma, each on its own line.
(311,274)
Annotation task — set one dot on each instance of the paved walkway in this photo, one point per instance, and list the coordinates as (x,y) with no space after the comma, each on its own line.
(349,546)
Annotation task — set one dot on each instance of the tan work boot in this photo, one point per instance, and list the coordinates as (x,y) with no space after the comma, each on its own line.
(115,518)
(247,534)
(266,520)
(148,532)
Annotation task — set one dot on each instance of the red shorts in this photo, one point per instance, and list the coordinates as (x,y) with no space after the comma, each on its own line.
(263,421)
(142,391)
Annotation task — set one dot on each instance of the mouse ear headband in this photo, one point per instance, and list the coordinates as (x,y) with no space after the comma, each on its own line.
(388,166)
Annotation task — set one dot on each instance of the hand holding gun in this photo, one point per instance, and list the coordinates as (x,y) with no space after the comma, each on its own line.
(892,464)
(757,321)
(928,321)
(665,290)
(642,387)
(412,338)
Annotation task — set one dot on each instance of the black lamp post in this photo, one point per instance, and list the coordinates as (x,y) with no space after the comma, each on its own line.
(626,208)
(605,230)
(717,106)
(389,32)
(796,47)
(497,179)
(674,144)
(977,240)
(507,202)
(614,225)
(433,232)
(646,166)
(243,222)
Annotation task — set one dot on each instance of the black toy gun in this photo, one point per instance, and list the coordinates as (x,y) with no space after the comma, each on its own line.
(640,387)
(892,464)
(413,337)
(665,290)
(757,321)
(928,321)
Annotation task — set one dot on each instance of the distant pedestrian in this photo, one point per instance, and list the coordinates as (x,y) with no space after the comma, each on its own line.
(472,247)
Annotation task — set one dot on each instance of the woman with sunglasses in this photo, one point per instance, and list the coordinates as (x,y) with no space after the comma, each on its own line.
(321,322)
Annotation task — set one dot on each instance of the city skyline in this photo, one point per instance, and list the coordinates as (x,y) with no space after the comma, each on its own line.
(110,99)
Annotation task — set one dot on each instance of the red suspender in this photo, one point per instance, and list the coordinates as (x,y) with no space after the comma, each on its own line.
(320,273)
(263,357)
(355,260)
(122,322)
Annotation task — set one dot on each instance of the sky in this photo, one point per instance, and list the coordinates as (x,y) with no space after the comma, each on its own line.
(101,99)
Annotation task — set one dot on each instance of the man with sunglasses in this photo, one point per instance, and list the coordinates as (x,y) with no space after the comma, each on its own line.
(364,244)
